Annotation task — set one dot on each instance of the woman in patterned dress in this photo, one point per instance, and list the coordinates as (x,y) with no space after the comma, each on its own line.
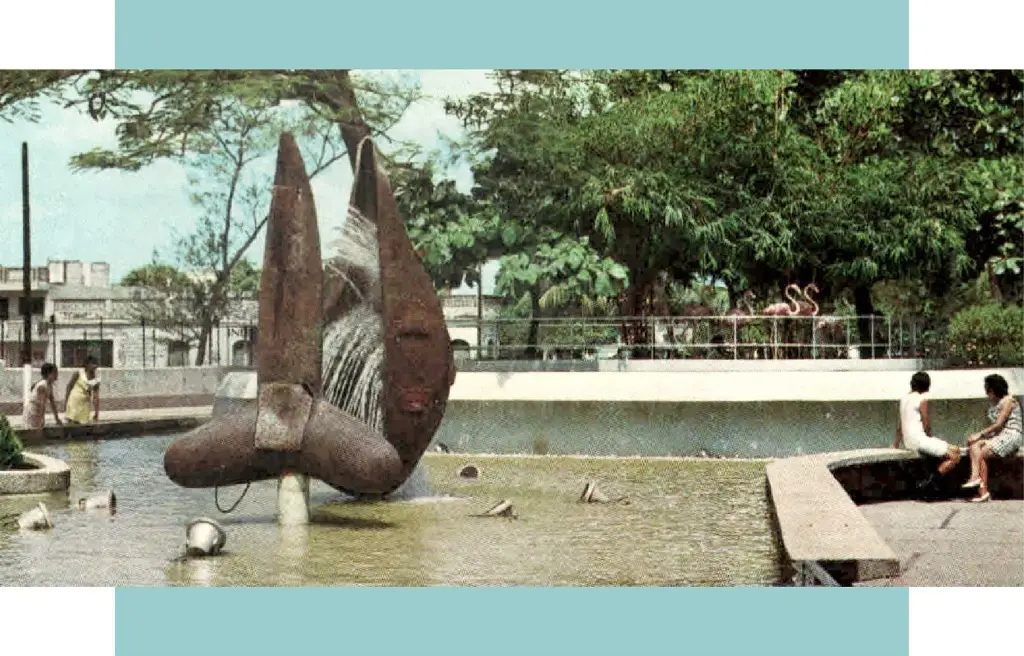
(1001,438)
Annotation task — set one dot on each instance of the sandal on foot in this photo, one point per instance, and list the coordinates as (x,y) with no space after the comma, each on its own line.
(971,484)
(982,498)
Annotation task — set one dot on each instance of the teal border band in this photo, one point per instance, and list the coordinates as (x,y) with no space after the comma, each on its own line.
(520,34)
(512,621)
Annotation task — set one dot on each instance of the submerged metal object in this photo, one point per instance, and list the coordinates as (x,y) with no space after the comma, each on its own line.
(591,494)
(36,519)
(293,429)
(503,508)
(103,501)
(469,471)
(204,537)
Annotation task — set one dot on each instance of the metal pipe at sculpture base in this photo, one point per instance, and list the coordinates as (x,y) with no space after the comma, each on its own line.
(35,519)
(293,499)
(103,501)
(204,537)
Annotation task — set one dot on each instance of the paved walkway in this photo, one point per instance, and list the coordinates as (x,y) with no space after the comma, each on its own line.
(952,543)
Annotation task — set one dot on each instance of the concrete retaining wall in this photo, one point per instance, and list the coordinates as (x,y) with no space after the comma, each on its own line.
(127,389)
(699,366)
(720,386)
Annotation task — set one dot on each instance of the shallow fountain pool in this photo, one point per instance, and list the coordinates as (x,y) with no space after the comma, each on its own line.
(689,522)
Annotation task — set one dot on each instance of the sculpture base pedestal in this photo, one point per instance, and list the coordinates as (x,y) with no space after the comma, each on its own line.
(293,500)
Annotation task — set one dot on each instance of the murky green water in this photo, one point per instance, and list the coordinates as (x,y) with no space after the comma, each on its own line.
(688,523)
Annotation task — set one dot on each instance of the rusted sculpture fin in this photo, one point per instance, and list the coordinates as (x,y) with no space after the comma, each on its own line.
(337,449)
(342,452)
(290,430)
(221,452)
(291,287)
(419,367)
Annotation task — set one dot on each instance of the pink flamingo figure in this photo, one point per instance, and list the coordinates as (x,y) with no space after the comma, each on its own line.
(810,308)
(787,309)
(775,310)
(828,329)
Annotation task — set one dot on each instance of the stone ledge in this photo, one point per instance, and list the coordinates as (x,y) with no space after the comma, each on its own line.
(817,520)
(50,475)
(814,500)
(123,428)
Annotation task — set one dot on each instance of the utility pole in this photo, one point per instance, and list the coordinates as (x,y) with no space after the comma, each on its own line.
(26,349)
(480,312)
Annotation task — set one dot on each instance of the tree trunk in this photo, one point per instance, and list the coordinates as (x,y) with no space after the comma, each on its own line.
(635,333)
(865,309)
(993,283)
(205,331)
(533,336)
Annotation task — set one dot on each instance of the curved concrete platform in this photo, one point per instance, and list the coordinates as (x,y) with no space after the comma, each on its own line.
(820,526)
(49,475)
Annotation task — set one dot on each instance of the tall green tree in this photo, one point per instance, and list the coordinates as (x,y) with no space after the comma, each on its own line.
(23,92)
(453,233)
(231,194)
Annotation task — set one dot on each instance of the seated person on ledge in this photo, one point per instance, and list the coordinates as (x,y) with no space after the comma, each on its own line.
(914,428)
(1001,438)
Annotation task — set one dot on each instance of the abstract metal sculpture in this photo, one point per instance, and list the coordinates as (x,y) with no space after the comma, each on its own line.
(355,441)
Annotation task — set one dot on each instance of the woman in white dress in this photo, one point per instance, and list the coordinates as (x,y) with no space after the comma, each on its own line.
(1000,439)
(915,430)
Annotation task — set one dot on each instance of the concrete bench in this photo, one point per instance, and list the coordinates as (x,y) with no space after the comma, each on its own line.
(818,522)
(814,500)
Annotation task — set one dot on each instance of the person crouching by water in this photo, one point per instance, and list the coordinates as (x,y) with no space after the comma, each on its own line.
(83,387)
(1001,438)
(915,429)
(41,393)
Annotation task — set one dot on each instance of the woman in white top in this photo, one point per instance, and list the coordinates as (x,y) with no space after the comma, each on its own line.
(915,429)
(1001,438)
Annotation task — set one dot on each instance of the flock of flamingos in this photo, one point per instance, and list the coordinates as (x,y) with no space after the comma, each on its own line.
(799,303)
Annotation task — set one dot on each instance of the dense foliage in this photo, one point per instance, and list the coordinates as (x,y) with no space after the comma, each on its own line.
(989,335)
(620,192)
(11,448)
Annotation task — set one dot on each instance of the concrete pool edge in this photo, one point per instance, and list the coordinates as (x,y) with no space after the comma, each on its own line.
(815,500)
(49,475)
(129,423)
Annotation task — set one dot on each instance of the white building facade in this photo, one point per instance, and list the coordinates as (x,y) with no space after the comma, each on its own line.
(77,313)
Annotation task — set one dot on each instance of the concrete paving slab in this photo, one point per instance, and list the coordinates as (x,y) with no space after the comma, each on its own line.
(979,544)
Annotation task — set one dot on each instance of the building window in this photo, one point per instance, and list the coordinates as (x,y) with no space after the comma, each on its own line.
(73,352)
(5,309)
(177,354)
(37,305)
(241,354)
(461,348)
